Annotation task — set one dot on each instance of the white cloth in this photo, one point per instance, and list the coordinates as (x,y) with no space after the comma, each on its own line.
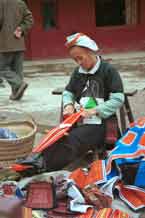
(81,40)
(77,204)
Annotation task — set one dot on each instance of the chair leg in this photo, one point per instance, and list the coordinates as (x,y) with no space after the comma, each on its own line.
(128,110)
(61,112)
(122,120)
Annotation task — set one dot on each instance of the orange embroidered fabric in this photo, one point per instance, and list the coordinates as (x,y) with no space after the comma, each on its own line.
(142,140)
(94,174)
(129,138)
(119,214)
(104,213)
(133,196)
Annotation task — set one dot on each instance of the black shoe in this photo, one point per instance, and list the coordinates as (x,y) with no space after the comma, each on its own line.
(35,161)
(2,85)
(18,94)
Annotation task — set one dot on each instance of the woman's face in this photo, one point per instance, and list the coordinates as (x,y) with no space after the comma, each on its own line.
(83,57)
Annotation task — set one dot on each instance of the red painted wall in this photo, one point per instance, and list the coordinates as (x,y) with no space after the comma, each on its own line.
(77,16)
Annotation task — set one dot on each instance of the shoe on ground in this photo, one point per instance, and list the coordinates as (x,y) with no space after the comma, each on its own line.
(18,94)
(2,85)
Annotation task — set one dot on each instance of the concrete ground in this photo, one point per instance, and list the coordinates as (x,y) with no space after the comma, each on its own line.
(38,100)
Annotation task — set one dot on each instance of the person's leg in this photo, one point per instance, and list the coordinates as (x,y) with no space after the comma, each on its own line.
(17,65)
(79,141)
(1,83)
(6,60)
(58,155)
(2,67)
(11,69)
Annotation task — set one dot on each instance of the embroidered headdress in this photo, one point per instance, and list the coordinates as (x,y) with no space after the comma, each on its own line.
(82,40)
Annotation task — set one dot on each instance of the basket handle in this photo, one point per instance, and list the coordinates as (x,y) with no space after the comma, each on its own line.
(20,111)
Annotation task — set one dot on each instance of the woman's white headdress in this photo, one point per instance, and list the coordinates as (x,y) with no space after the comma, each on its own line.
(82,40)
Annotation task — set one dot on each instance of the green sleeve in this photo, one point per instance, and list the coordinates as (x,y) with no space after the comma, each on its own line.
(110,106)
(67,98)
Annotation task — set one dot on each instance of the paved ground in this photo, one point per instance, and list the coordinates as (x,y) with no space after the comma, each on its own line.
(38,100)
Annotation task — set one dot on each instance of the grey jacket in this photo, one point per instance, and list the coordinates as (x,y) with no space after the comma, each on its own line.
(13,13)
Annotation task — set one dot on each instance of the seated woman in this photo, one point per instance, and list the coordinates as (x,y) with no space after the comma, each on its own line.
(97,88)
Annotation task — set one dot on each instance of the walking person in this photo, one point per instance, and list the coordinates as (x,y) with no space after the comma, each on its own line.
(15,21)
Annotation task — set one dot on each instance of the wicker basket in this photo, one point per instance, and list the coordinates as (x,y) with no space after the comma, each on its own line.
(25,128)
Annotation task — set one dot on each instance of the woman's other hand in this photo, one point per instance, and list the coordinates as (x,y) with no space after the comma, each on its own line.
(89,112)
(68,110)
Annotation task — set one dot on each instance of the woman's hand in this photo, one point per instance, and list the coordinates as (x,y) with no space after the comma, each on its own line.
(89,112)
(68,110)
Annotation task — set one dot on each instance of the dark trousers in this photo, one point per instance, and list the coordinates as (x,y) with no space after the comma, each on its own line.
(11,68)
(78,142)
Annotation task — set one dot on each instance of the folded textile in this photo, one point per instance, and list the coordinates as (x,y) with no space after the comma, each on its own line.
(130,148)
(77,202)
(56,133)
(140,175)
(126,163)
(60,183)
(62,210)
(129,155)
(129,172)
(5,133)
(95,197)
(40,195)
(10,189)
(96,173)
(104,213)
(133,196)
